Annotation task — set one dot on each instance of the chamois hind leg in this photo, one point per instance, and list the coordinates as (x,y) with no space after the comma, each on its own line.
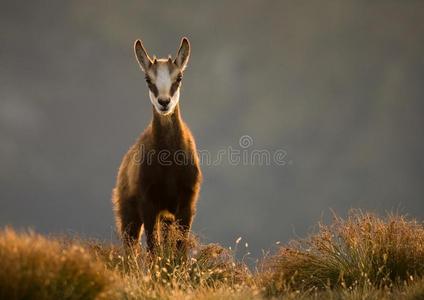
(165,230)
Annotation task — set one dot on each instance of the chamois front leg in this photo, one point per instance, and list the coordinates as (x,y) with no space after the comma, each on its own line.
(129,223)
(150,220)
(184,217)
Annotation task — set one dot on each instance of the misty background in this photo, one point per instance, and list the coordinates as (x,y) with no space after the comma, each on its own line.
(338,85)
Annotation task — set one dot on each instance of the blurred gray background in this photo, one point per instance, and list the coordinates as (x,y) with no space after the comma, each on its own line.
(339,85)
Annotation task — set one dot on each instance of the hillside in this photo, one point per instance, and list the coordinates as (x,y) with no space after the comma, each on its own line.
(361,257)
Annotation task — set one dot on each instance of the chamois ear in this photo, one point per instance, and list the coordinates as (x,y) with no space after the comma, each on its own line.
(183,54)
(143,58)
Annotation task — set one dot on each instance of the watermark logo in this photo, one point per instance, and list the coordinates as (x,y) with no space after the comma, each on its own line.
(245,154)
(246,141)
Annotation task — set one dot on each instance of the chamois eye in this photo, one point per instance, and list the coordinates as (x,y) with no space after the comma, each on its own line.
(179,78)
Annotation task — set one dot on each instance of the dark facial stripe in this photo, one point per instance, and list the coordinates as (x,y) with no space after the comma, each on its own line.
(153,89)
(174,88)
(151,86)
(176,84)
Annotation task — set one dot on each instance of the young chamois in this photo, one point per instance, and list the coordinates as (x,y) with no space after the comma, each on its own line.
(160,174)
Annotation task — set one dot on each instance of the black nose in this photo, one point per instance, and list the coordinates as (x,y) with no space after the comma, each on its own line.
(164,102)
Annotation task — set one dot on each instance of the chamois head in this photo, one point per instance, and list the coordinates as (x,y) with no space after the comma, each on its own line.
(163,76)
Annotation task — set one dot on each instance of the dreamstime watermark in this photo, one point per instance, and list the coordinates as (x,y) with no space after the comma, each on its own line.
(243,155)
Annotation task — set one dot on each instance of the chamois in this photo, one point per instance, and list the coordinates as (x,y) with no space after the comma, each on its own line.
(160,173)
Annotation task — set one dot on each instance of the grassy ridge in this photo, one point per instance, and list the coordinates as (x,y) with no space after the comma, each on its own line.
(362,250)
(361,257)
(33,267)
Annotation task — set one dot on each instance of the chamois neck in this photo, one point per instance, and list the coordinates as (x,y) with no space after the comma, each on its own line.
(167,130)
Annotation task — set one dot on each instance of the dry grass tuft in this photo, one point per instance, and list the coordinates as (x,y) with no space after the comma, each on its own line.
(33,267)
(363,250)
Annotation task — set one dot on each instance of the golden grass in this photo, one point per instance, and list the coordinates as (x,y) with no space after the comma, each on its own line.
(33,267)
(173,274)
(362,250)
(362,257)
